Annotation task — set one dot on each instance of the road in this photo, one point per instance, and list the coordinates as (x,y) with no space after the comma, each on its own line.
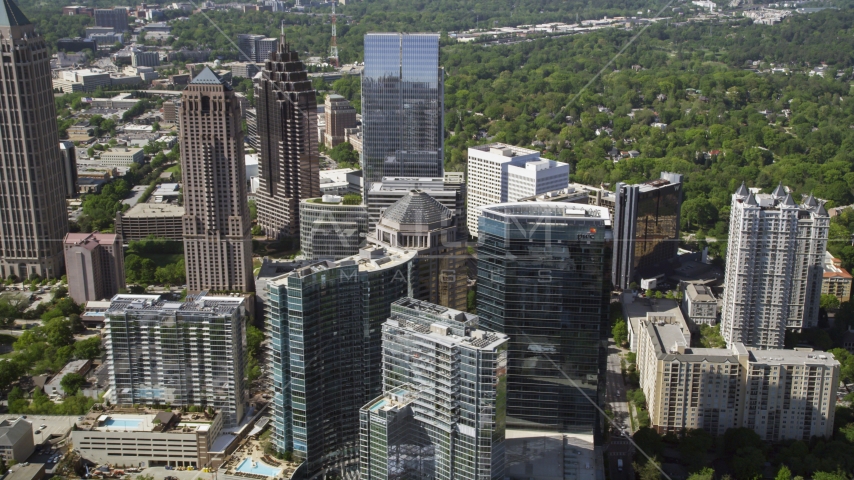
(615,393)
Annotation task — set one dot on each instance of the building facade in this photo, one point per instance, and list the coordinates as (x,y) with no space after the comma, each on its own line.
(418,222)
(69,168)
(402,107)
(94,264)
(700,305)
(325,320)
(542,280)
(340,115)
(836,280)
(330,229)
(217,241)
(646,227)
(288,161)
(146,219)
(32,201)
(255,48)
(774,267)
(178,353)
(441,414)
(116,17)
(122,157)
(500,173)
(145,59)
(16,440)
(383,195)
(780,394)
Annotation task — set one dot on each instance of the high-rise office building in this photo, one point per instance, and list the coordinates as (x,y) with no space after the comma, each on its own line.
(419,222)
(402,107)
(340,115)
(442,412)
(774,267)
(646,227)
(542,280)
(500,173)
(116,17)
(217,241)
(94,264)
(189,353)
(331,229)
(288,162)
(33,220)
(779,394)
(69,168)
(326,322)
(255,48)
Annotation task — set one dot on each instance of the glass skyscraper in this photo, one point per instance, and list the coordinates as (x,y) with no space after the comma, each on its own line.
(542,280)
(402,107)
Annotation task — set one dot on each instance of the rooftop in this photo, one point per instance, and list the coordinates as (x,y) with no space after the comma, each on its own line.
(499,150)
(699,293)
(417,208)
(551,210)
(90,241)
(11,15)
(199,303)
(147,210)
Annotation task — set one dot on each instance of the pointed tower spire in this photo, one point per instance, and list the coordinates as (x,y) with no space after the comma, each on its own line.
(810,201)
(789,201)
(742,190)
(751,200)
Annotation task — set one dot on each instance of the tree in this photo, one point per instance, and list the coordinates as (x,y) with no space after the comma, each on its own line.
(784,473)
(88,349)
(72,382)
(58,332)
(620,332)
(693,447)
(704,474)
(76,323)
(829,302)
(254,337)
(839,475)
(650,470)
(649,442)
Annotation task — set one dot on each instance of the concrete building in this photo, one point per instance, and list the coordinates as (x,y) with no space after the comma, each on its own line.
(331,229)
(637,310)
(70,81)
(33,217)
(441,414)
(500,173)
(646,227)
(146,219)
(94,263)
(557,322)
(340,115)
(340,181)
(402,107)
(244,69)
(700,305)
(16,439)
(316,410)
(418,222)
(288,161)
(145,59)
(171,111)
(145,440)
(836,280)
(178,353)
(384,194)
(774,267)
(780,394)
(217,241)
(116,17)
(69,168)
(54,388)
(121,157)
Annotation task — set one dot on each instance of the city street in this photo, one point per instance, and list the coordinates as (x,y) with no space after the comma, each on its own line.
(618,448)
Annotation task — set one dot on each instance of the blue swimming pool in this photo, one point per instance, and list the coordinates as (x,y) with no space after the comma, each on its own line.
(123,423)
(260,468)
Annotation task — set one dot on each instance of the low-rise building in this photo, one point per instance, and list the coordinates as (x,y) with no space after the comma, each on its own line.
(836,280)
(122,157)
(71,81)
(149,440)
(383,195)
(780,394)
(162,220)
(699,304)
(16,440)
(54,389)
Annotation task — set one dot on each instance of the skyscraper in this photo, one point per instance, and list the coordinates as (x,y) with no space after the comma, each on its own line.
(33,220)
(542,280)
(442,412)
(94,263)
(289,163)
(402,107)
(217,244)
(646,226)
(326,349)
(178,353)
(773,267)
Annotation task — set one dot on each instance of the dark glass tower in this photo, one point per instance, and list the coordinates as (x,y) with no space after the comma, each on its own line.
(289,163)
(402,107)
(542,280)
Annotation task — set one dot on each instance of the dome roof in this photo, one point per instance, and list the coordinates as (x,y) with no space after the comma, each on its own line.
(417,208)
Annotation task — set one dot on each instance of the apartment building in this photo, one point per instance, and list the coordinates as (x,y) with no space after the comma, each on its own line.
(836,280)
(330,229)
(780,394)
(441,414)
(178,353)
(500,173)
(94,263)
(774,267)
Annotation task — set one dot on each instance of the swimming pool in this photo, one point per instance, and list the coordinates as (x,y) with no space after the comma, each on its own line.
(123,423)
(260,468)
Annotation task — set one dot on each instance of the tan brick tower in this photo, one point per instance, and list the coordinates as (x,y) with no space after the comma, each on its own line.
(217,243)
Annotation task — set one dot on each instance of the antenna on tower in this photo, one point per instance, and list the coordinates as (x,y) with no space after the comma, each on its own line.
(333,49)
